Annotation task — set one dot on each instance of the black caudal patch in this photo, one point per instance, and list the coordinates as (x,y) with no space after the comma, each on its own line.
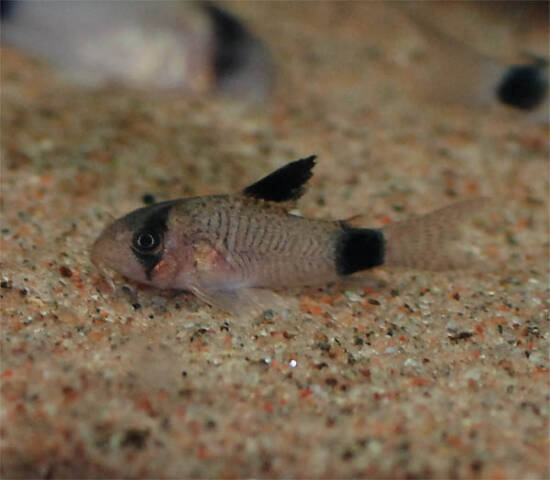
(149,226)
(286,183)
(359,249)
(524,86)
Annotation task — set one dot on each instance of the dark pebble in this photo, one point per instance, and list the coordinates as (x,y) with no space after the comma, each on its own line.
(65,271)
(210,424)
(347,455)
(460,336)
(331,382)
(185,392)
(135,438)
(476,466)
(224,327)
(148,199)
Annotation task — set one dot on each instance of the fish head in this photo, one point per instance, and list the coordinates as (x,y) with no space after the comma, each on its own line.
(136,246)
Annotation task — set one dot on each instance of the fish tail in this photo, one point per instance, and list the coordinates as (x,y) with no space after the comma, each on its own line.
(429,242)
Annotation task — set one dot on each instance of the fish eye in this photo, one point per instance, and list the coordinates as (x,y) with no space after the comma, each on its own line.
(146,241)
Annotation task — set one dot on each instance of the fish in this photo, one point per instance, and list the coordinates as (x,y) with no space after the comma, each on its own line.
(456,72)
(183,47)
(232,250)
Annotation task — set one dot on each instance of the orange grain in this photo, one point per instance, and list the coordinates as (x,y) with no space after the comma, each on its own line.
(472,186)
(311,308)
(306,392)
(45,179)
(145,405)
(202,452)
(455,441)
(420,382)
(95,335)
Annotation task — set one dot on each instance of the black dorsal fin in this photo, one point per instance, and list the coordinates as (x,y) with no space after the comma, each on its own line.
(285,184)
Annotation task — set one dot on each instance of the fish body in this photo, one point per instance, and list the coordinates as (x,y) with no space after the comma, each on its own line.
(235,241)
(228,249)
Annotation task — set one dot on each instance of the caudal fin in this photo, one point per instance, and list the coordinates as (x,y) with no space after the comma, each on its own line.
(428,242)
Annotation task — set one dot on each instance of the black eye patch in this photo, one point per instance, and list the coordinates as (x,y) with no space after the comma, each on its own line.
(145,246)
(150,225)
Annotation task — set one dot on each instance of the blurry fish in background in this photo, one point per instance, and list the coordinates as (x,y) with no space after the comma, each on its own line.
(6,7)
(454,72)
(242,64)
(186,46)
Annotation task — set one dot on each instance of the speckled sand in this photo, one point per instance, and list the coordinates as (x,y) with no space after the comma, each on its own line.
(400,375)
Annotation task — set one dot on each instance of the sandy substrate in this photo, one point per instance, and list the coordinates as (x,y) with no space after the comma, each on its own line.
(403,374)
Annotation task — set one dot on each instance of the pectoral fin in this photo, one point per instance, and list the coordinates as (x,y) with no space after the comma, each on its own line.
(247,302)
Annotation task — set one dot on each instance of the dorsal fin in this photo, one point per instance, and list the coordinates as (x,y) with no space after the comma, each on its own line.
(285,184)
